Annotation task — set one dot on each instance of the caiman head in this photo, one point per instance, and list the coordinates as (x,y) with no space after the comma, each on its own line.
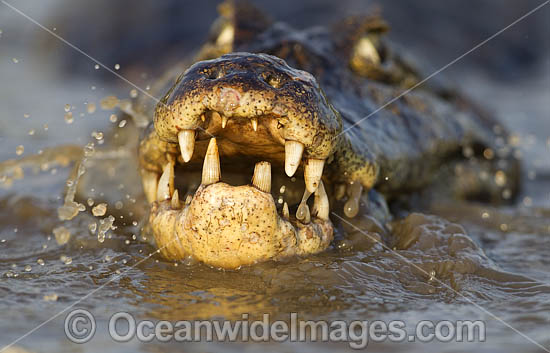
(237,147)
(246,119)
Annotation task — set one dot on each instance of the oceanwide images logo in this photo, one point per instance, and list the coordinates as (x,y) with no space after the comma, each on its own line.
(80,327)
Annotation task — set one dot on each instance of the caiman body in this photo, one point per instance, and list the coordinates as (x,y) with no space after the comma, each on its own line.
(264,103)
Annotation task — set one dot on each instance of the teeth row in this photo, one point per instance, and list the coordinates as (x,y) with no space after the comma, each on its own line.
(313,168)
(211,173)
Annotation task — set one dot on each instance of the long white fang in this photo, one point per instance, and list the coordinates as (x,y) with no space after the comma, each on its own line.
(262,176)
(186,139)
(211,166)
(286,212)
(175,203)
(293,156)
(150,182)
(313,171)
(321,206)
(255,124)
(224,121)
(166,183)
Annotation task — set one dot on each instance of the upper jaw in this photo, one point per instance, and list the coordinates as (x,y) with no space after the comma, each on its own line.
(231,226)
(257,102)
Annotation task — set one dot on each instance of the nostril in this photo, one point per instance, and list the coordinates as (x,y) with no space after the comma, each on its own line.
(274,81)
(213,73)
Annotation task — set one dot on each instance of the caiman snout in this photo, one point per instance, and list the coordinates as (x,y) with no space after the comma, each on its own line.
(231,226)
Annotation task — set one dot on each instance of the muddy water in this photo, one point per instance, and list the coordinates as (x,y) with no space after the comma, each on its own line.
(462,262)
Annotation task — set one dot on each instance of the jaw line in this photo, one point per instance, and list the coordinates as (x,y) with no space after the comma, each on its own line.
(230,226)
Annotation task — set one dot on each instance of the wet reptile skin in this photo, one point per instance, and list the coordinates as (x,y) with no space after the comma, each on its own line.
(316,86)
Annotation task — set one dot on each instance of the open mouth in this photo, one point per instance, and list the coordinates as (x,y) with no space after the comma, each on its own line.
(246,195)
(253,211)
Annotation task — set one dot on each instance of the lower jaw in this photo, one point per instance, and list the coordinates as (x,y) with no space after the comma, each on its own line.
(228,227)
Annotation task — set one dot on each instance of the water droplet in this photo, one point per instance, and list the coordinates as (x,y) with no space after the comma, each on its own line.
(40,262)
(31,132)
(19,150)
(26,116)
(28,268)
(99,210)
(122,123)
(113,118)
(67,107)
(97,135)
(109,102)
(96,66)
(69,118)
(15,60)
(134,93)
(117,66)
(62,235)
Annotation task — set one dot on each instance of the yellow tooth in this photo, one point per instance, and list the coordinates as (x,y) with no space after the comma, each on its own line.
(262,176)
(216,116)
(186,139)
(224,121)
(321,206)
(166,183)
(313,171)
(175,203)
(286,212)
(188,199)
(150,182)
(255,124)
(203,118)
(293,156)
(211,167)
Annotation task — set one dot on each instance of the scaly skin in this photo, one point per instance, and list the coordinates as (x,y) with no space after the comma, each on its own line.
(398,149)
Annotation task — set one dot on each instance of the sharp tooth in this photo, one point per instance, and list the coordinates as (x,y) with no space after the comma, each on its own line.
(255,124)
(224,121)
(320,204)
(262,176)
(286,212)
(186,139)
(313,171)
(211,167)
(293,156)
(150,184)
(188,199)
(166,183)
(203,118)
(175,203)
